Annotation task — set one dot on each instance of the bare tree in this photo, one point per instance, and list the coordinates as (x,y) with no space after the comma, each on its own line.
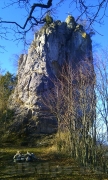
(101,64)
(76,102)
(60,101)
(86,82)
(72,101)
(35,12)
(31,19)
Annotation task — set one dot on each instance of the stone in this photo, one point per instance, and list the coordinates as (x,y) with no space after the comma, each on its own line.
(70,22)
(53,45)
(28,157)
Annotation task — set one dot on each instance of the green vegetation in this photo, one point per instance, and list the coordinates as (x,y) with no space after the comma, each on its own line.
(48,19)
(7,85)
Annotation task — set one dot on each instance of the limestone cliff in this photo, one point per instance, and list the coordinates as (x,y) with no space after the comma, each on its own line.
(53,44)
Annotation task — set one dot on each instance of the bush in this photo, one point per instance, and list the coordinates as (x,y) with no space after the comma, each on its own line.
(48,19)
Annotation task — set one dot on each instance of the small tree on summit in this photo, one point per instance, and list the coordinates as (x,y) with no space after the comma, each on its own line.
(48,19)
(35,12)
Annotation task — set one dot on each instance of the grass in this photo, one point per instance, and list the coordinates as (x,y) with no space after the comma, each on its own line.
(50,165)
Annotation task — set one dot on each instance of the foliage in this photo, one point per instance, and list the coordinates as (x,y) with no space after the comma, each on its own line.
(7,85)
(48,19)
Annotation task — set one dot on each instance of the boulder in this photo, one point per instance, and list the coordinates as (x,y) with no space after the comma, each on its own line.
(28,157)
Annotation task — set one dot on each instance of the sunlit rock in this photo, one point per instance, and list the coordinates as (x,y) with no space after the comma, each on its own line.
(53,45)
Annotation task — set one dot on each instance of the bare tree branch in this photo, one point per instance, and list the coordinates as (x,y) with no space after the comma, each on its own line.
(92,12)
(46,6)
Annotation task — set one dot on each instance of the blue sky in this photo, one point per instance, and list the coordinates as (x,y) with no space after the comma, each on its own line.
(13,49)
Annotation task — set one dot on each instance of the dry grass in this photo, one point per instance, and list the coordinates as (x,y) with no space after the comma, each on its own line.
(59,166)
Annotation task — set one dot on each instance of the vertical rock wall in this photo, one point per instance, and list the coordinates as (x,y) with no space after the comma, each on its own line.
(53,45)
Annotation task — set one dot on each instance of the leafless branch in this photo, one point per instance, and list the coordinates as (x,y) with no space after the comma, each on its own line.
(30,17)
(93,12)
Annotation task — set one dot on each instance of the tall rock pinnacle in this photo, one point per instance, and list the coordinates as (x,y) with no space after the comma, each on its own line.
(53,45)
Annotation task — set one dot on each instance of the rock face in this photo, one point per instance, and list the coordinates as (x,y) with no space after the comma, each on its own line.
(52,46)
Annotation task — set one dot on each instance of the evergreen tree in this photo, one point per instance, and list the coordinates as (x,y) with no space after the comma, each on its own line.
(7,85)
